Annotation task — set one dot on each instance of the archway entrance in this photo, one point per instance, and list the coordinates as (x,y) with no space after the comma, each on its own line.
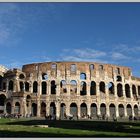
(2,100)
(52,109)
(34,109)
(103,110)
(43,109)
(136,110)
(62,111)
(8,108)
(129,110)
(93,110)
(112,110)
(83,110)
(73,109)
(121,110)
(17,108)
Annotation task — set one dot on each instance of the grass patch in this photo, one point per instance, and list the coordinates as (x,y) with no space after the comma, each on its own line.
(27,128)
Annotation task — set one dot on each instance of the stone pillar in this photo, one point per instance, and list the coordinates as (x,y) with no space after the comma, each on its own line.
(78,88)
(131,94)
(47,109)
(88,88)
(125,111)
(88,109)
(31,86)
(48,88)
(98,109)
(117,111)
(57,110)
(107,110)
(68,89)
(38,108)
(133,114)
(79,110)
(58,89)
(123,91)
(13,107)
(67,109)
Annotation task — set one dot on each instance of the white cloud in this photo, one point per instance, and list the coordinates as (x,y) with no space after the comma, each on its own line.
(119,56)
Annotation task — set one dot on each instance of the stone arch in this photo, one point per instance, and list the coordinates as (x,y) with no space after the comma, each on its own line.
(44,88)
(1,82)
(62,111)
(11,85)
(121,110)
(21,76)
(73,109)
(2,102)
(26,86)
(93,88)
(93,110)
(17,108)
(21,86)
(73,87)
(83,76)
(103,109)
(52,109)
(136,110)
(127,90)
(34,109)
(4,86)
(44,76)
(63,88)
(101,67)
(83,88)
(35,87)
(111,88)
(112,110)
(8,108)
(43,109)
(91,67)
(129,110)
(139,90)
(83,110)
(102,87)
(53,87)
(73,68)
(119,90)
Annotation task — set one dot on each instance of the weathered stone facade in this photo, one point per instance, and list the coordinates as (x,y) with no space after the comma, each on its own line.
(63,88)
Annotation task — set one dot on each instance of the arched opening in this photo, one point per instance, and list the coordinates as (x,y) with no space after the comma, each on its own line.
(134,91)
(93,110)
(11,85)
(83,88)
(101,67)
(44,76)
(111,88)
(139,90)
(44,88)
(21,86)
(73,109)
(2,101)
(119,79)
(73,68)
(35,87)
(119,90)
(17,108)
(43,109)
(83,110)
(103,110)
(62,111)
(73,87)
(83,76)
(102,87)
(1,82)
(4,86)
(8,108)
(53,87)
(21,76)
(91,67)
(63,88)
(26,86)
(34,109)
(112,110)
(28,103)
(54,67)
(53,109)
(127,90)
(129,110)
(121,110)
(93,88)
(136,110)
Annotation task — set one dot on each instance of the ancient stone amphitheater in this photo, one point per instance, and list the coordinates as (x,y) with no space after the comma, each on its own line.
(60,89)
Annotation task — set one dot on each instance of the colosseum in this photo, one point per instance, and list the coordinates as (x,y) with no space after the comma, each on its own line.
(60,89)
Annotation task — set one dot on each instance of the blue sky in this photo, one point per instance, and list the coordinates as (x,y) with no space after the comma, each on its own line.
(97,32)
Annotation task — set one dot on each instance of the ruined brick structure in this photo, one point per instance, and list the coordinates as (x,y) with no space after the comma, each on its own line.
(83,89)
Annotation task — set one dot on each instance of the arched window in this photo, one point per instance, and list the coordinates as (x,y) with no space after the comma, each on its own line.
(73,68)
(54,66)
(4,86)
(118,70)
(44,87)
(11,85)
(134,91)
(139,90)
(93,88)
(53,87)
(17,108)
(63,86)
(102,87)
(119,79)
(101,67)
(119,90)
(0,82)
(111,88)
(21,76)
(21,86)
(103,110)
(83,76)
(83,89)
(35,87)
(127,90)
(73,87)
(26,86)
(44,76)
(91,67)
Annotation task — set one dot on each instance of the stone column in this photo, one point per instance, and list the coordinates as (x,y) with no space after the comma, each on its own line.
(79,110)
(131,94)
(13,107)
(117,111)
(123,91)
(48,88)
(98,109)
(58,89)
(78,88)
(57,110)
(88,88)
(107,110)
(38,108)
(125,111)
(67,109)
(47,109)
(88,109)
